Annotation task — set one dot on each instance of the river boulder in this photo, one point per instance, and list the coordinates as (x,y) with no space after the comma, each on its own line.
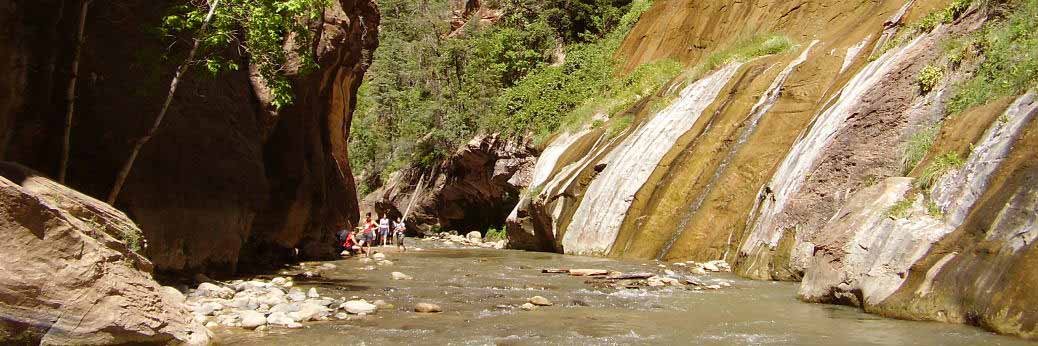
(427,308)
(67,276)
(357,307)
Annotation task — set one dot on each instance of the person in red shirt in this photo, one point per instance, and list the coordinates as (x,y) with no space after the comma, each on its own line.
(367,236)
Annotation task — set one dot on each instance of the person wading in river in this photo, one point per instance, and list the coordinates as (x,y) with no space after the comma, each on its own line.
(367,236)
(383,230)
(398,233)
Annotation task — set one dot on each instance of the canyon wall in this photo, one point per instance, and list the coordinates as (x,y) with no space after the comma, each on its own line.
(472,190)
(228,181)
(788,165)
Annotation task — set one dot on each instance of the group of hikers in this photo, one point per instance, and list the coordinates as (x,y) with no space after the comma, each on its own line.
(370,233)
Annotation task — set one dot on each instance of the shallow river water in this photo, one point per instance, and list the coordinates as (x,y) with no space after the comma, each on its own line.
(472,285)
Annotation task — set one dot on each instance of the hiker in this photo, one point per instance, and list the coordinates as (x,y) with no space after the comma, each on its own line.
(367,235)
(383,229)
(340,237)
(350,243)
(398,233)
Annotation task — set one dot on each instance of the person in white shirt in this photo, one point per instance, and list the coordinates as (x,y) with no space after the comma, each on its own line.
(383,229)
(399,228)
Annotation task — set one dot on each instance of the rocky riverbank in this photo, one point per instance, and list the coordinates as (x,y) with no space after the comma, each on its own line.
(295,297)
(462,294)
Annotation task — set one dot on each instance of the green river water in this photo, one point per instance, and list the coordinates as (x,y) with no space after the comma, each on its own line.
(474,285)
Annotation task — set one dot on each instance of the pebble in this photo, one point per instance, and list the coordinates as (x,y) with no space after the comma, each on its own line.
(342,316)
(427,308)
(312,293)
(400,276)
(540,301)
(385,263)
(528,307)
(381,304)
(379,256)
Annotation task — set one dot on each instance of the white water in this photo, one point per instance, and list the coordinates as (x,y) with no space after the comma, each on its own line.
(597,220)
(791,173)
(762,107)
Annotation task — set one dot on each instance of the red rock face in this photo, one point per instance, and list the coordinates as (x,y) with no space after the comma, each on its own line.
(227,182)
(473,190)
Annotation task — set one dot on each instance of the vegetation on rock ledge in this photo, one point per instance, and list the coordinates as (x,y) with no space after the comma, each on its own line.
(427,93)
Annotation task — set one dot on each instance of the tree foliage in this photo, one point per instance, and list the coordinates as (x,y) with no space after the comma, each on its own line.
(425,93)
(257,29)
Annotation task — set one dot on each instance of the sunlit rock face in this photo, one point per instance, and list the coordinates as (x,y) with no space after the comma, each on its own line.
(228,181)
(70,275)
(788,165)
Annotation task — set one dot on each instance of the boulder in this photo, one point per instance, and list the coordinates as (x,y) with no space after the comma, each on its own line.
(400,276)
(540,301)
(312,293)
(427,308)
(378,256)
(474,236)
(285,308)
(69,276)
(251,319)
(296,295)
(357,307)
(279,319)
(528,307)
(210,290)
(309,311)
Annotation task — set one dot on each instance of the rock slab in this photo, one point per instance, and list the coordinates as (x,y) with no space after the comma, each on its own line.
(67,281)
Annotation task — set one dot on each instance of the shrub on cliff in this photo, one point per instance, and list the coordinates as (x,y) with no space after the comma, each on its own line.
(427,93)
(1008,53)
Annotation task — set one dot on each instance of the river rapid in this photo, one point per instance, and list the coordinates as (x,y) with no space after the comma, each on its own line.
(480,291)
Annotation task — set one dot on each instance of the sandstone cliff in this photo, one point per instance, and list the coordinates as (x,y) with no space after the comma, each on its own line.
(228,181)
(788,164)
(473,190)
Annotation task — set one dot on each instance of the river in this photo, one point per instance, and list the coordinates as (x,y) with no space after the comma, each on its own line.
(480,291)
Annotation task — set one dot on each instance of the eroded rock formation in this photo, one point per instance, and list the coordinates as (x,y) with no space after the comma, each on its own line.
(472,190)
(69,276)
(789,164)
(228,181)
